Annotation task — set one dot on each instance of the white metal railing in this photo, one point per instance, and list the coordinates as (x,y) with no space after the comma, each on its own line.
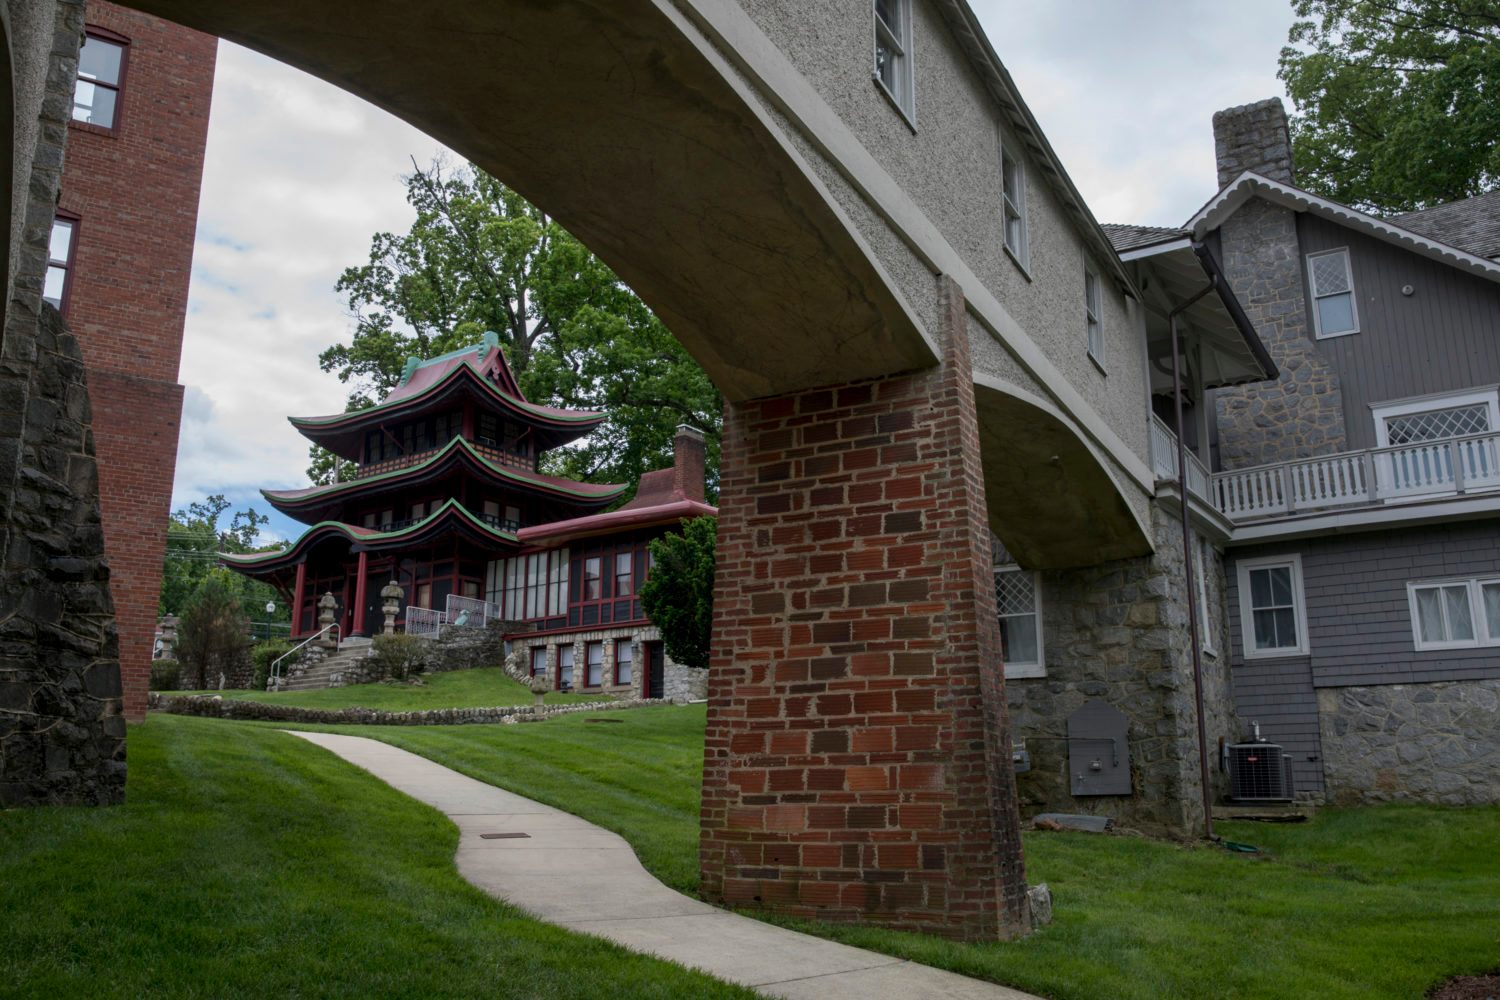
(425,623)
(1164,460)
(472,612)
(274,681)
(1360,478)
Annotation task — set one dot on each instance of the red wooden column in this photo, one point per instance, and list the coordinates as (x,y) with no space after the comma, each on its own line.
(857,761)
(359,593)
(298,589)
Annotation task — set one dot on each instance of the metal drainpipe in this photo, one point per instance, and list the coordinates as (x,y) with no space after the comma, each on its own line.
(1187,563)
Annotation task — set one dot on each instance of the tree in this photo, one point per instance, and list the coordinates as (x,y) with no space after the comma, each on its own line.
(194,541)
(213,634)
(1398,101)
(678,595)
(480,257)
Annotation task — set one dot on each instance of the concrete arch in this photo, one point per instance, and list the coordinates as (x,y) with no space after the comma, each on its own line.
(1052,498)
(621,120)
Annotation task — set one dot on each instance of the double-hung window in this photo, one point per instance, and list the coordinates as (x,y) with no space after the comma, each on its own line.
(101,74)
(594,658)
(893,61)
(1453,614)
(565,668)
(1203,558)
(539,661)
(1092,315)
(1273,615)
(1018,600)
(624,661)
(60,261)
(1332,286)
(1013,212)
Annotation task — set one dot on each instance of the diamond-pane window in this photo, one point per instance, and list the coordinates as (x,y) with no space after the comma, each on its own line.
(1020,621)
(1437,425)
(1332,293)
(1330,275)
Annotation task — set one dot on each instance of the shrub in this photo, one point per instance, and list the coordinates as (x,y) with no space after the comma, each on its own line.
(678,596)
(398,656)
(262,655)
(211,635)
(166,675)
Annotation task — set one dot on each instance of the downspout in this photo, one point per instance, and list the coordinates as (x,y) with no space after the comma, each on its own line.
(1187,560)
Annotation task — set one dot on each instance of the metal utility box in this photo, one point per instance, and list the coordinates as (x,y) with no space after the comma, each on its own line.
(1099,750)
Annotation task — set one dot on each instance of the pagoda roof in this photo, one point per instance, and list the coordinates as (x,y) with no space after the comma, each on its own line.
(479,371)
(451,517)
(659,500)
(456,453)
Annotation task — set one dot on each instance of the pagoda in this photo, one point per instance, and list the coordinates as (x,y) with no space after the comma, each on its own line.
(446,478)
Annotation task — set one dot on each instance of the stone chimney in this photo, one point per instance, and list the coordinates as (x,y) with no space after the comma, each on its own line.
(688,462)
(1253,137)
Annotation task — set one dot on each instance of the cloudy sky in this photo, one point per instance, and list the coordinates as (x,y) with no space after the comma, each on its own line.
(299,175)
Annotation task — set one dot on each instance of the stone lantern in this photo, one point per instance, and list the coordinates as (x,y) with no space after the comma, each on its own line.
(390,603)
(168,626)
(327,612)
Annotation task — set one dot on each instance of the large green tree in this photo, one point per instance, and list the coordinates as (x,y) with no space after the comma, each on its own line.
(196,535)
(480,257)
(678,595)
(1398,101)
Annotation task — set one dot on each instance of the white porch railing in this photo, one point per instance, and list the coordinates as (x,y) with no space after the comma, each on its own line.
(1360,478)
(1164,459)
(426,623)
(461,612)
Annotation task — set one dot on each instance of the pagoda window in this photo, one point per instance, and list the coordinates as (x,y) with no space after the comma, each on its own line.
(446,427)
(418,510)
(624,574)
(593,578)
(489,430)
(387,517)
(369,520)
(530,586)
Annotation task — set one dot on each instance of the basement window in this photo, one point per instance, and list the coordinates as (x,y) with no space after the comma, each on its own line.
(893,61)
(101,75)
(1018,601)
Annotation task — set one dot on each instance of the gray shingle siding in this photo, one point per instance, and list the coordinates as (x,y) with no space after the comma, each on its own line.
(1279,695)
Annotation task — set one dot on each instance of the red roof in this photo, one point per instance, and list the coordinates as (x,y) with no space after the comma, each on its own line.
(658,500)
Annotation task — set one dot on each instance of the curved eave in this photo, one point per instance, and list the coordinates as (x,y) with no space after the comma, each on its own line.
(559,532)
(574,423)
(440,462)
(452,515)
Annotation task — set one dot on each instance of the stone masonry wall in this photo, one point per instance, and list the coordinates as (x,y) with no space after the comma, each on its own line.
(1118,632)
(1437,743)
(1301,413)
(680,683)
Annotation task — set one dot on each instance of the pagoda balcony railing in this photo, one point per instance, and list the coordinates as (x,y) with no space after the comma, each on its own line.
(484,446)
(1369,478)
(503,523)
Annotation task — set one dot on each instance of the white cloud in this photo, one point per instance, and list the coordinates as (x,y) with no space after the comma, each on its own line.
(299,175)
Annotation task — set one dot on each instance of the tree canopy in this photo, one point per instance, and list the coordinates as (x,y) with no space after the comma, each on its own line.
(1398,101)
(480,257)
(195,537)
(678,595)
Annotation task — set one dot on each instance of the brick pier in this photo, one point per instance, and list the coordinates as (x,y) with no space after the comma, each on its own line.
(856,766)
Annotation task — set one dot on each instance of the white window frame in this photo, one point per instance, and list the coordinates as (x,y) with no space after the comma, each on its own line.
(1206,631)
(1474,591)
(1247,614)
(898,39)
(1442,401)
(1093,310)
(1312,292)
(1014,671)
(1014,202)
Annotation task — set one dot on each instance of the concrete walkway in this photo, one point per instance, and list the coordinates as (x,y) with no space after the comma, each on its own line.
(566,871)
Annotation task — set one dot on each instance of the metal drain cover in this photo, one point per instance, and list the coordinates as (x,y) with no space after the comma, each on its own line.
(504,836)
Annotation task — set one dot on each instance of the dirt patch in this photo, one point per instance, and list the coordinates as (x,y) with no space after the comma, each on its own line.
(1486,987)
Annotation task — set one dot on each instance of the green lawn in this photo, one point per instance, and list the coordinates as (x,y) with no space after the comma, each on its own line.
(248,863)
(1379,902)
(487,687)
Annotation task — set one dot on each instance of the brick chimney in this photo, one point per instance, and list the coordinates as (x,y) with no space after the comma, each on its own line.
(1253,137)
(688,459)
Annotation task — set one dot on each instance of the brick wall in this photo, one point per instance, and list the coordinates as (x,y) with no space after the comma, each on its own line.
(856,764)
(135,191)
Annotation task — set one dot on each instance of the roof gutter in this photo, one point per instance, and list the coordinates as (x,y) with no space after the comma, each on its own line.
(1236,311)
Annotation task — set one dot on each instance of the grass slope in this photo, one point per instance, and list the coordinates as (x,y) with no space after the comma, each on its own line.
(248,863)
(486,687)
(1368,903)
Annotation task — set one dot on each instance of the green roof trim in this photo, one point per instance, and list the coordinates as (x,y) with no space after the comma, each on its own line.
(542,413)
(255,559)
(457,444)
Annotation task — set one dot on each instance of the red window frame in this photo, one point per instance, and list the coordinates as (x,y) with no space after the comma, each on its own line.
(105,35)
(589,648)
(628,576)
(572,668)
(628,644)
(67,264)
(534,664)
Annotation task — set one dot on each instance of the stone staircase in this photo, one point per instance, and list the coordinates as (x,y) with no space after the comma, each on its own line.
(325,672)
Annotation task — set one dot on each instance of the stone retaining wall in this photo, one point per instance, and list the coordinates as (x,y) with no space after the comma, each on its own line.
(215,707)
(1436,743)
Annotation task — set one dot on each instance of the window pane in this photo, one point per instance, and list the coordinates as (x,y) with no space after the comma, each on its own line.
(53,288)
(95,105)
(1281,585)
(62,239)
(1260,588)
(595,652)
(100,60)
(1460,621)
(591,571)
(1286,628)
(623,562)
(1330,274)
(1490,594)
(1336,313)
(1018,639)
(624,661)
(887,11)
(538,660)
(565,665)
(1430,616)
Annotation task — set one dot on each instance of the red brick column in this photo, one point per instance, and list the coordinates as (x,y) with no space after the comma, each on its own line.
(857,761)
